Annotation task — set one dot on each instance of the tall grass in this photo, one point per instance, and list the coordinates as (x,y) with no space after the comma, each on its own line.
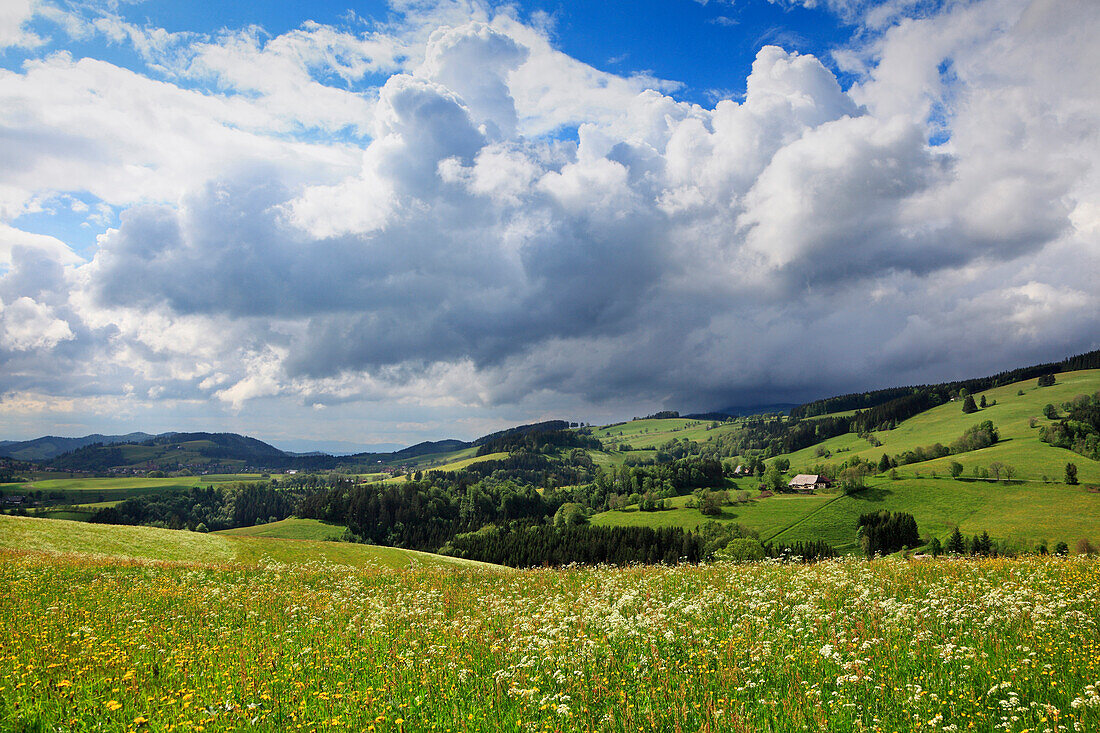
(890,645)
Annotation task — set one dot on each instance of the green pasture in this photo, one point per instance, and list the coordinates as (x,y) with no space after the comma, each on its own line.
(151,543)
(1023,513)
(654,433)
(293,528)
(945,423)
(768,516)
(432,461)
(87,491)
(455,465)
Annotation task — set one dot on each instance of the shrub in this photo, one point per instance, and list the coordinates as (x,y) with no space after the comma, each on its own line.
(742,549)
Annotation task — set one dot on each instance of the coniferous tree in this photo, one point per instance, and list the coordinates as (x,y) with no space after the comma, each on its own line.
(968,405)
(1071,474)
(955,543)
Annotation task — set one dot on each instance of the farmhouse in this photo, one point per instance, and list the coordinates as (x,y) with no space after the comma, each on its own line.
(807,482)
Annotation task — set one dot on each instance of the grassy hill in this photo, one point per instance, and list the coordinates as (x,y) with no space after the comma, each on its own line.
(150,543)
(78,497)
(769,516)
(457,462)
(292,528)
(1020,445)
(1039,508)
(1025,513)
(1020,513)
(651,433)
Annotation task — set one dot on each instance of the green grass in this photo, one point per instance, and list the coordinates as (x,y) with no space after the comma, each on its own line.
(1024,514)
(454,465)
(654,433)
(146,543)
(1021,446)
(109,491)
(151,543)
(290,529)
(128,483)
(432,461)
(767,516)
(837,646)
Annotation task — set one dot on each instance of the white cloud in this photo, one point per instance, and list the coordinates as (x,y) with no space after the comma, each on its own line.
(26,325)
(14,15)
(462,254)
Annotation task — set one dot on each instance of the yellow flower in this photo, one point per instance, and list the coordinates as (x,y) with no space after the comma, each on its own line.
(140,720)
(64,683)
(113,705)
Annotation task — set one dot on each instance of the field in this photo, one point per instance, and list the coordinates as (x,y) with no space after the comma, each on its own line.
(951,645)
(1022,514)
(290,529)
(456,464)
(153,544)
(768,516)
(85,491)
(1020,446)
(1040,508)
(653,433)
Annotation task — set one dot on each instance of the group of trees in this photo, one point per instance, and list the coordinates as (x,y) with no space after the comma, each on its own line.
(557,544)
(212,508)
(1079,430)
(883,532)
(976,437)
(554,545)
(426,513)
(540,441)
(870,400)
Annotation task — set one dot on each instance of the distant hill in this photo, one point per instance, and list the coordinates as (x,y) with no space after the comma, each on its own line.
(51,446)
(538,427)
(172,451)
(150,543)
(901,395)
(744,411)
(428,447)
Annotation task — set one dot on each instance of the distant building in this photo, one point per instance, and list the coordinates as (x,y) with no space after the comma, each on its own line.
(805,483)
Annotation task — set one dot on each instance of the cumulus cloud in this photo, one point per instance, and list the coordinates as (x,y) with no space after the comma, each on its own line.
(14,15)
(462,252)
(26,325)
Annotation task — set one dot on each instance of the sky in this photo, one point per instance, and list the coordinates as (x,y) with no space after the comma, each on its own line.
(357,224)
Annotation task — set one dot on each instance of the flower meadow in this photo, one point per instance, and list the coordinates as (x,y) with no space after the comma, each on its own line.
(850,645)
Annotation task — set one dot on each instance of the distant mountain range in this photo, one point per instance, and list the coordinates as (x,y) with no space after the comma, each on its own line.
(230,451)
(51,446)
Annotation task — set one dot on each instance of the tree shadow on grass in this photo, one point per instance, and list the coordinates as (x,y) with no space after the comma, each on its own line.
(872,495)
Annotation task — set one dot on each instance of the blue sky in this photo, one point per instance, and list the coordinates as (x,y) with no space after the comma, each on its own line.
(390,222)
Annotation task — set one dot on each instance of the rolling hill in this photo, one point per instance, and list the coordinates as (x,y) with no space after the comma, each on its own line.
(150,543)
(52,446)
(1035,507)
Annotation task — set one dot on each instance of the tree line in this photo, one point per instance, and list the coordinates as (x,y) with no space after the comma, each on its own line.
(205,509)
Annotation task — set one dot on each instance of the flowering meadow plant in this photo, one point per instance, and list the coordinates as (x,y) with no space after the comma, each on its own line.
(849,645)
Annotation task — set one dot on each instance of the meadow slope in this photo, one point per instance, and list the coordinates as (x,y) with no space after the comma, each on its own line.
(846,646)
(151,543)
